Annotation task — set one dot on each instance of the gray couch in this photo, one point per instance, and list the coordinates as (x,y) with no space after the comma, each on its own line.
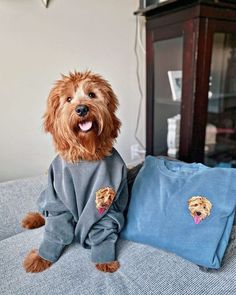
(144,270)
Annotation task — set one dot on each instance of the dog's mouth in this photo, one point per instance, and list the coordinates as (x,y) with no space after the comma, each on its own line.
(197,219)
(102,208)
(85,126)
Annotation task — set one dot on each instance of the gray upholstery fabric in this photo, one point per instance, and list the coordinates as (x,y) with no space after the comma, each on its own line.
(16,199)
(144,270)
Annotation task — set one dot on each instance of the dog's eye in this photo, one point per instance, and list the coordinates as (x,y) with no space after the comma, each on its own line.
(69,99)
(195,205)
(92,95)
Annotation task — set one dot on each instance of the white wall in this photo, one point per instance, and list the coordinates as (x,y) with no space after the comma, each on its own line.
(36,44)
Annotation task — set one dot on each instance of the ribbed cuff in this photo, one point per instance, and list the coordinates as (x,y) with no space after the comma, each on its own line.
(50,251)
(104,252)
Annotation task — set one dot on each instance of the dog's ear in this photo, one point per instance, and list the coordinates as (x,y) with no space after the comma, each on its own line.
(209,205)
(52,107)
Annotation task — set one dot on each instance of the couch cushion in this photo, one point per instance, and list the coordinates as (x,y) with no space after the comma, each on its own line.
(144,270)
(16,199)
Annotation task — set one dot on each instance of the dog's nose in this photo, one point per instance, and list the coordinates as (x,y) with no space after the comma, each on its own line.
(198,213)
(82,110)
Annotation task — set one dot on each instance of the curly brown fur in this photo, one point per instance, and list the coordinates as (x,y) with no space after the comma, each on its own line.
(199,207)
(104,198)
(108,267)
(62,121)
(73,140)
(32,220)
(34,263)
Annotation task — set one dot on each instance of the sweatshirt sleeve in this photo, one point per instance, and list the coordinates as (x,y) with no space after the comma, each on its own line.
(103,235)
(59,228)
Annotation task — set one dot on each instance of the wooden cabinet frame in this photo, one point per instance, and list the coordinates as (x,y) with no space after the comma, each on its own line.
(197,23)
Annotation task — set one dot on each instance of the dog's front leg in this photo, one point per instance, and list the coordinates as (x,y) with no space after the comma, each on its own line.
(32,220)
(108,267)
(34,263)
(59,232)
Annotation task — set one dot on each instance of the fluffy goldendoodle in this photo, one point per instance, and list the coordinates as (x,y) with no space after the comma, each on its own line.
(199,207)
(87,190)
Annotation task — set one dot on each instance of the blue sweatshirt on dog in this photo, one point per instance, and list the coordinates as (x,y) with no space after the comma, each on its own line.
(84,202)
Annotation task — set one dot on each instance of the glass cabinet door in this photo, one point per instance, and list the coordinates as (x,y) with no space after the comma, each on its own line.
(220,141)
(168,59)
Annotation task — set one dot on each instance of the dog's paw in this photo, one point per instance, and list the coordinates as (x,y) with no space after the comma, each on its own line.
(108,267)
(32,220)
(34,263)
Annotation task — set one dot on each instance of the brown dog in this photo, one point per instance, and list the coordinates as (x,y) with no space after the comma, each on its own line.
(88,137)
(199,207)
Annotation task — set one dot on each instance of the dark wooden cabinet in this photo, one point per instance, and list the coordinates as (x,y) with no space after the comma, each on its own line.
(194,44)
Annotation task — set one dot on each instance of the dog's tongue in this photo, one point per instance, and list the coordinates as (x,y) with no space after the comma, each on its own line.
(85,126)
(101,210)
(197,219)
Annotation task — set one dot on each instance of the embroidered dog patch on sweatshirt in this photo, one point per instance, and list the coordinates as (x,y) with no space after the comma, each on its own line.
(104,199)
(199,207)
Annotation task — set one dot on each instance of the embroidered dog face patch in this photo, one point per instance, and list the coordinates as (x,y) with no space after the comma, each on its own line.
(104,199)
(199,207)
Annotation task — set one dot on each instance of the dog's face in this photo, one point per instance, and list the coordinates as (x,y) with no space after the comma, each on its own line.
(104,199)
(81,117)
(199,207)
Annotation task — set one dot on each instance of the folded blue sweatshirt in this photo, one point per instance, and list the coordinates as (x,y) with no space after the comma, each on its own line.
(84,202)
(184,208)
